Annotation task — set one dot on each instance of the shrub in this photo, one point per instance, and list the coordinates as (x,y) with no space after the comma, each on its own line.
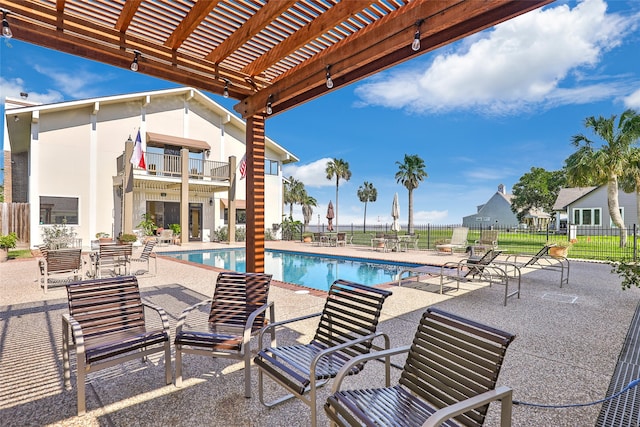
(128,238)
(58,235)
(8,241)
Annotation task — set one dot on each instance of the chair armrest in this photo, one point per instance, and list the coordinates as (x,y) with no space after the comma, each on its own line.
(163,314)
(363,358)
(504,394)
(282,322)
(246,337)
(76,331)
(185,313)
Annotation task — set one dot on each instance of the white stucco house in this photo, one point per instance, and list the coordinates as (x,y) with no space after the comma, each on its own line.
(71,162)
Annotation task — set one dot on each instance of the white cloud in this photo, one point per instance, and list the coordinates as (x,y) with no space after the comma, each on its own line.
(78,84)
(311,174)
(429,217)
(13,87)
(633,100)
(518,64)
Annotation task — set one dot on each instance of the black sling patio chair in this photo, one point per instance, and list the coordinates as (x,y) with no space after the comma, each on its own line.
(237,312)
(346,329)
(449,378)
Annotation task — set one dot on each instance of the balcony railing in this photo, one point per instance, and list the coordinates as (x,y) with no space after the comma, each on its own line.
(168,165)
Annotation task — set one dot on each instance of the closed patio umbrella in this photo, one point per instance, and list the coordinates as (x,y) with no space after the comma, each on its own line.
(395,214)
(330,216)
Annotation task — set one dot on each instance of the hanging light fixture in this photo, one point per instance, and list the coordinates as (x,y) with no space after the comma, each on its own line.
(225,92)
(329,80)
(6,29)
(415,45)
(269,102)
(134,64)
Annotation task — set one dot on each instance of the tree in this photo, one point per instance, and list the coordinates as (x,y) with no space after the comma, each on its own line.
(630,181)
(338,168)
(367,193)
(410,174)
(307,210)
(538,188)
(588,166)
(293,190)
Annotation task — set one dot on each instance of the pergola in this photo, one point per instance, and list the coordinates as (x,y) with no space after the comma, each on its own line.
(269,55)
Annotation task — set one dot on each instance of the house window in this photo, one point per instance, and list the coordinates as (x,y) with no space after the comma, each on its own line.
(590,216)
(58,210)
(270,167)
(241,216)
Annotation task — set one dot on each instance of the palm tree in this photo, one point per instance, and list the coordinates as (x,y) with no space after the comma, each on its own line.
(410,174)
(367,193)
(293,190)
(307,202)
(338,168)
(588,166)
(630,181)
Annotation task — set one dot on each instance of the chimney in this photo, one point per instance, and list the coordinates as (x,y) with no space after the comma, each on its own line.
(501,189)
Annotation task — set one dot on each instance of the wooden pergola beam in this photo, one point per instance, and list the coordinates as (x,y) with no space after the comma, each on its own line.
(196,15)
(263,17)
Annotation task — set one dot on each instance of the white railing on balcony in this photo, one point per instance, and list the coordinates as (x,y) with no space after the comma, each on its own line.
(167,165)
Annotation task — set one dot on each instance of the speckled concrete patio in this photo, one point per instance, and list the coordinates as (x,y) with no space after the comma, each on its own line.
(564,352)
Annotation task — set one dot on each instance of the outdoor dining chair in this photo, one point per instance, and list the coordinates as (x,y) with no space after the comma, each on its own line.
(237,312)
(346,329)
(449,378)
(106,326)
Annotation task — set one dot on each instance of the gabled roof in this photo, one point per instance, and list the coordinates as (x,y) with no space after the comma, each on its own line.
(566,196)
(145,97)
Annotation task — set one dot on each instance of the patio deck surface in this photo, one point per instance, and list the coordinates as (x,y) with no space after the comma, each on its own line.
(567,345)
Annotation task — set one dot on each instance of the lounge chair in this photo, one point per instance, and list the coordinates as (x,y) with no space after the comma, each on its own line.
(144,258)
(542,260)
(458,240)
(449,378)
(237,312)
(347,328)
(106,326)
(64,264)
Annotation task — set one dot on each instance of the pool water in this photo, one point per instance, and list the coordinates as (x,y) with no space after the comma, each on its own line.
(310,270)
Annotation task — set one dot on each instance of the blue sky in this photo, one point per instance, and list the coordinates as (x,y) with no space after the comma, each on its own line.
(480,112)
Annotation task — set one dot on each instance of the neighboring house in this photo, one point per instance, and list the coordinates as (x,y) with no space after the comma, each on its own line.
(71,162)
(497,213)
(587,207)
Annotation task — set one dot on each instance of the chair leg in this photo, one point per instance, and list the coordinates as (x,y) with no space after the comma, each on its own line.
(81,380)
(66,364)
(167,363)
(178,366)
(247,372)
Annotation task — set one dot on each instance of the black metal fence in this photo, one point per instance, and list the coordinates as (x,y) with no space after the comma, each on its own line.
(592,243)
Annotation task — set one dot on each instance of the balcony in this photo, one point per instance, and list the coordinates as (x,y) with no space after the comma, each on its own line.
(170,166)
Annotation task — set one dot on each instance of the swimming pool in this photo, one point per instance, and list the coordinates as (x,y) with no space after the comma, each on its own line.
(310,270)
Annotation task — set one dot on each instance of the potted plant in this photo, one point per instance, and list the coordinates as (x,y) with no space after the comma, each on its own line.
(127,238)
(103,237)
(7,241)
(176,232)
(148,225)
(559,248)
(307,237)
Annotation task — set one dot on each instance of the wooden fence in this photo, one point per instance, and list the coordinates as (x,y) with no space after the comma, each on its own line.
(14,217)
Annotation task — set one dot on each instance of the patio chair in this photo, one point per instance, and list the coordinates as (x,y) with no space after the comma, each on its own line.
(114,259)
(346,329)
(449,378)
(64,264)
(458,240)
(378,241)
(144,259)
(237,312)
(542,260)
(341,239)
(165,238)
(488,240)
(106,323)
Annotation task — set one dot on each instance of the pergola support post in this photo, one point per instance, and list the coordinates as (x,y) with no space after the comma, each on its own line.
(255,193)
